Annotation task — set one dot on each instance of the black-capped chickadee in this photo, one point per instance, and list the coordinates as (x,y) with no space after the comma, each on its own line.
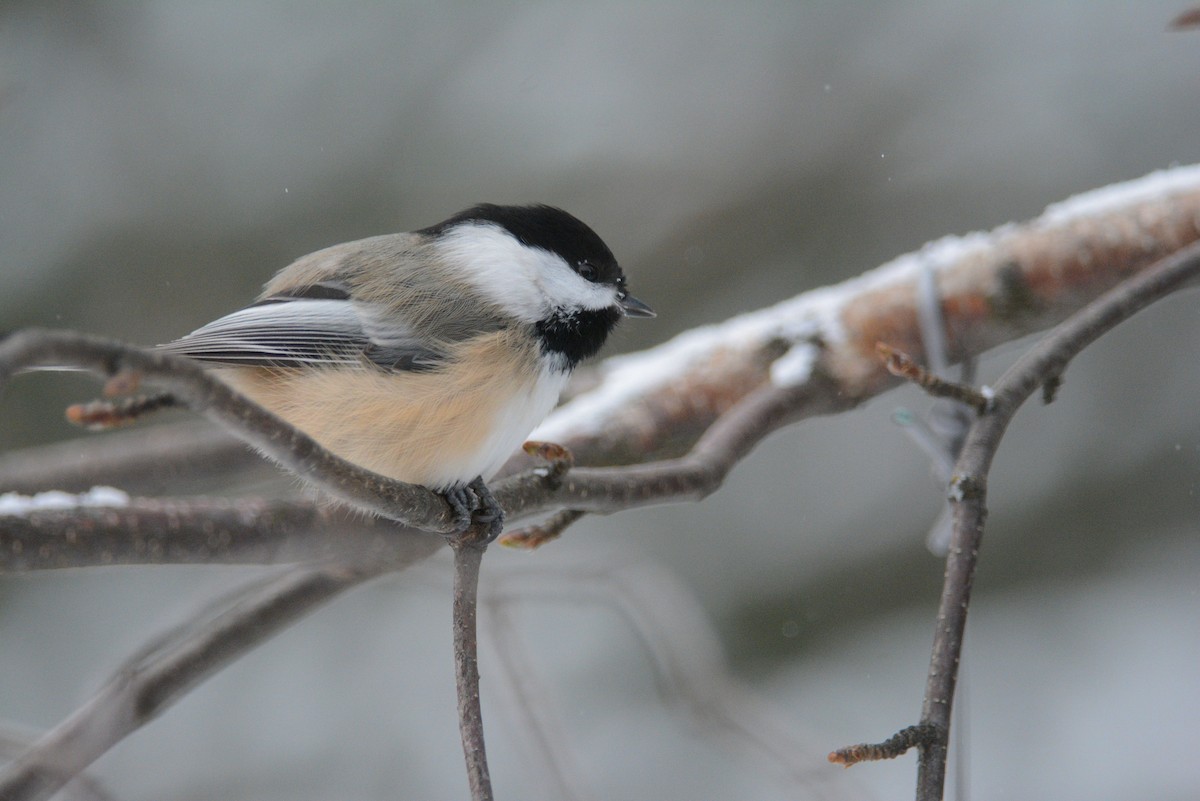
(428,356)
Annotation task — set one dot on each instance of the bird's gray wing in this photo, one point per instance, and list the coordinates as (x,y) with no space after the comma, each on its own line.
(315,326)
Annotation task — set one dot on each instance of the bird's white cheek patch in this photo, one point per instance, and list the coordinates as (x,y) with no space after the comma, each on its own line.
(527,282)
(499,267)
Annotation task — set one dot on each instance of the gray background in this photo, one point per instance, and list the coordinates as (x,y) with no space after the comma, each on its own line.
(159,160)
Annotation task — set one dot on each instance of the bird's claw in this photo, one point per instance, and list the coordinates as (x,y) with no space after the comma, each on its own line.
(473,504)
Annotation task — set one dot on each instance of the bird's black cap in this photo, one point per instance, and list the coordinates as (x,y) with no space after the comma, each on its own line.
(548,228)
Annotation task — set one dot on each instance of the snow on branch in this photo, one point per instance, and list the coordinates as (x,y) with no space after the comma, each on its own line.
(813,354)
(994,287)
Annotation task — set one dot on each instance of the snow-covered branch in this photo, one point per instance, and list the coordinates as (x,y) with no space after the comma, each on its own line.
(812,354)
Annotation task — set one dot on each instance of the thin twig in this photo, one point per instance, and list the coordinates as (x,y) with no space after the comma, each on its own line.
(1186,20)
(902,365)
(16,740)
(691,477)
(688,661)
(550,529)
(193,531)
(104,414)
(468,554)
(246,533)
(144,460)
(894,746)
(544,742)
(173,663)
(969,487)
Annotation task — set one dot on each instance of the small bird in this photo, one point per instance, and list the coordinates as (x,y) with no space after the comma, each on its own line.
(428,356)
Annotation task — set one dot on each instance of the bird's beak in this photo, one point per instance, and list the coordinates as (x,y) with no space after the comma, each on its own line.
(632,307)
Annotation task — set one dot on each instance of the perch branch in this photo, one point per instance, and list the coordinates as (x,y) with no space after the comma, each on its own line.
(257,532)
(188,383)
(468,554)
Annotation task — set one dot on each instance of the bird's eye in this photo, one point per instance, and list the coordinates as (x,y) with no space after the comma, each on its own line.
(587,271)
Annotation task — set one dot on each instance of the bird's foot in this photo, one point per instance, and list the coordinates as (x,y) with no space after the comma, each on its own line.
(474,504)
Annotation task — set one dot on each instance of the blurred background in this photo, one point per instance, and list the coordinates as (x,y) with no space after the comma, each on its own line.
(160,160)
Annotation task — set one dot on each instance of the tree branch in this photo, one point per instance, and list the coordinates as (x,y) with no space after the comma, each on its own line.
(193,531)
(15,741)
(175,662)
(993,288)
(968,489)
(148,459)
(467,557)
(190,384)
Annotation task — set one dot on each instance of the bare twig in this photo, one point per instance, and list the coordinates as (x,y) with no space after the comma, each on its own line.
(468,553)
(102,414)
(603,490)
(193,531)
(1047,359)
(892,747)
(543,741)
(693,476)
(144,460)
(16,740)
(532,537)
(140,690)
(902,365)
(177,661)
(689,665)
(252,533)
(1185,20)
